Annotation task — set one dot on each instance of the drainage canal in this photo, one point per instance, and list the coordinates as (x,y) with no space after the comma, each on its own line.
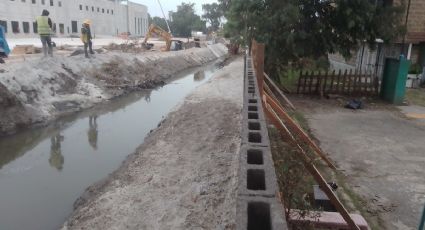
(43,171)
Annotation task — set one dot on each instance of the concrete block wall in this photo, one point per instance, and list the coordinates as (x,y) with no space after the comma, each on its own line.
(258,206)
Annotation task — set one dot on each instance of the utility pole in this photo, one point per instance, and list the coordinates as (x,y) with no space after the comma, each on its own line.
(405,25)
(128,20)
(169,30)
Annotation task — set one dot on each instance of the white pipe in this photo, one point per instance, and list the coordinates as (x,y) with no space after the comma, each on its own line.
(409,52)
(169,30)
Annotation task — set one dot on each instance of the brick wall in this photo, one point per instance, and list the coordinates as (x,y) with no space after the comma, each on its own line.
(416,21)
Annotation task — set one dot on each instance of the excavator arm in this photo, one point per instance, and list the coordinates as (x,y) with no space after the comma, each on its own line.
(154,29)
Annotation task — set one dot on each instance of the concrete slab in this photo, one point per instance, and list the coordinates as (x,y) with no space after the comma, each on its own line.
(382,154)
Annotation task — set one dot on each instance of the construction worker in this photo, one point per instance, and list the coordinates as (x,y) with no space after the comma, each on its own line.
(86,37)
(44,28)
(4,47)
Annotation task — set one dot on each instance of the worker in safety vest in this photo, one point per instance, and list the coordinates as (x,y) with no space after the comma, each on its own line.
(4,47)
(44,28)
(86,37)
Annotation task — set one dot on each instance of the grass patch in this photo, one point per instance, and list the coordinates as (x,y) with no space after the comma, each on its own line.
(300,119)
(416,96)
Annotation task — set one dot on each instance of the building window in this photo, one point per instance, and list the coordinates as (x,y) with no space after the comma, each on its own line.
(81,7)
(54,28)
(92,8)
(51,2)
(98,9)
(22,0)
(103,10)
(87,8)
(61,28)
(107,11)
(15,27)
(67,29)
(60,4)
(33,2)
(135,25)
(112,12)
(4,24)
(74,26)
(26,27)
(43,2)
(34,27)
(139,25)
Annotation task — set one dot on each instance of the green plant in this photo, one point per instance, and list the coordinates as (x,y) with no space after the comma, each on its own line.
(415,69)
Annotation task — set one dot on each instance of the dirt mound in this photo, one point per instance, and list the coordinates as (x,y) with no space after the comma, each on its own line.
(199,142)
(52,87)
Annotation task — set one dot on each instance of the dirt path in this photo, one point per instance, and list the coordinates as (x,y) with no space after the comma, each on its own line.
(40,90)
(184,176)
(383,156)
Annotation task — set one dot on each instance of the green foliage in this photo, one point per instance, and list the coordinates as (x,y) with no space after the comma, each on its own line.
(184,20)
(296,29)
(415,69)
(213,14)
(160,22)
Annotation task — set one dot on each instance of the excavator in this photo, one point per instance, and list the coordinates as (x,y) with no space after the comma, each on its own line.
(171,44)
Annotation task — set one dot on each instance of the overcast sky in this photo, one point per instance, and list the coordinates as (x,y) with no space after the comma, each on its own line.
(167,5)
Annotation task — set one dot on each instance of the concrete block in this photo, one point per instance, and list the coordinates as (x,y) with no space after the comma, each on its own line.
(257,176)
(256,137)
(249,113)
(259,213)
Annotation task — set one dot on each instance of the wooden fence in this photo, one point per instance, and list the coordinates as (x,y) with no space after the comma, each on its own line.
(351,83)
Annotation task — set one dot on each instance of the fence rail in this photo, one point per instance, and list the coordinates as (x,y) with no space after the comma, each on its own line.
(350,83)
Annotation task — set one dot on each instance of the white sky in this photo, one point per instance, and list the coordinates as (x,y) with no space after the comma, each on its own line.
(170,5)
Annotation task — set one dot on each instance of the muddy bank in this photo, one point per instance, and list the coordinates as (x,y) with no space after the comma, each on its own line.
(38,91)
(184,176)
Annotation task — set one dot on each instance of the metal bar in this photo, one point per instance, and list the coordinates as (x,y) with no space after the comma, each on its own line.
(310,84)
(332,82)
(298,130)
(299,82)
(323,85)
(279,91)
(305,82)
(318,83)
(310,167)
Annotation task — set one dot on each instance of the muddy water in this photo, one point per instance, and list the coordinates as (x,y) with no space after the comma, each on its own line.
(43,171)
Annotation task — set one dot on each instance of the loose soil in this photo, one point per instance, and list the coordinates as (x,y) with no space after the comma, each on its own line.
(184,176)
(40,90)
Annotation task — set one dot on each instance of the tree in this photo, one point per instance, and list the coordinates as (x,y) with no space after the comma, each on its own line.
(160,22)
(298,29)
(213,14)
(185,21)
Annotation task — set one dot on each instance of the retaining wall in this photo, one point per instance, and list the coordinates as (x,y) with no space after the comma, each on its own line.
(258,206)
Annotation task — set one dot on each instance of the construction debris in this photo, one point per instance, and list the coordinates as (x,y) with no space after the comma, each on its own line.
(25,49)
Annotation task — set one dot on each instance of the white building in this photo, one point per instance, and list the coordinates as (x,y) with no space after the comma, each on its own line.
(108,17)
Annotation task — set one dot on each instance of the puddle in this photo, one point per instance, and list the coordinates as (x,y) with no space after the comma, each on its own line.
(43,171)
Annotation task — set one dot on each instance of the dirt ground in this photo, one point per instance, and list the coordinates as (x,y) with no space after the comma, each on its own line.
(47,88)
(381,152)
(184,176)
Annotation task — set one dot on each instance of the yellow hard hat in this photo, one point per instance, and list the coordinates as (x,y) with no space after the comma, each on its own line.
(87,21)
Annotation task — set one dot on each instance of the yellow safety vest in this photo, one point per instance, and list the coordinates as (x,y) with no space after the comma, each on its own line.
(43,27)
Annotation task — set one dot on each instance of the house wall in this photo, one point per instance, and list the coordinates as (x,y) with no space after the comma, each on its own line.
(416,21)
(108,17)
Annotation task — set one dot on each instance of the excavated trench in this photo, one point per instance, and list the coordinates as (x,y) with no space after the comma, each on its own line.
(44,170)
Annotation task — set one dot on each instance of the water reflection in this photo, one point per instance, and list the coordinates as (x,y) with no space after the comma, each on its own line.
(199,76)
(56,158)
(25,158)
(148,97)
(92,132)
